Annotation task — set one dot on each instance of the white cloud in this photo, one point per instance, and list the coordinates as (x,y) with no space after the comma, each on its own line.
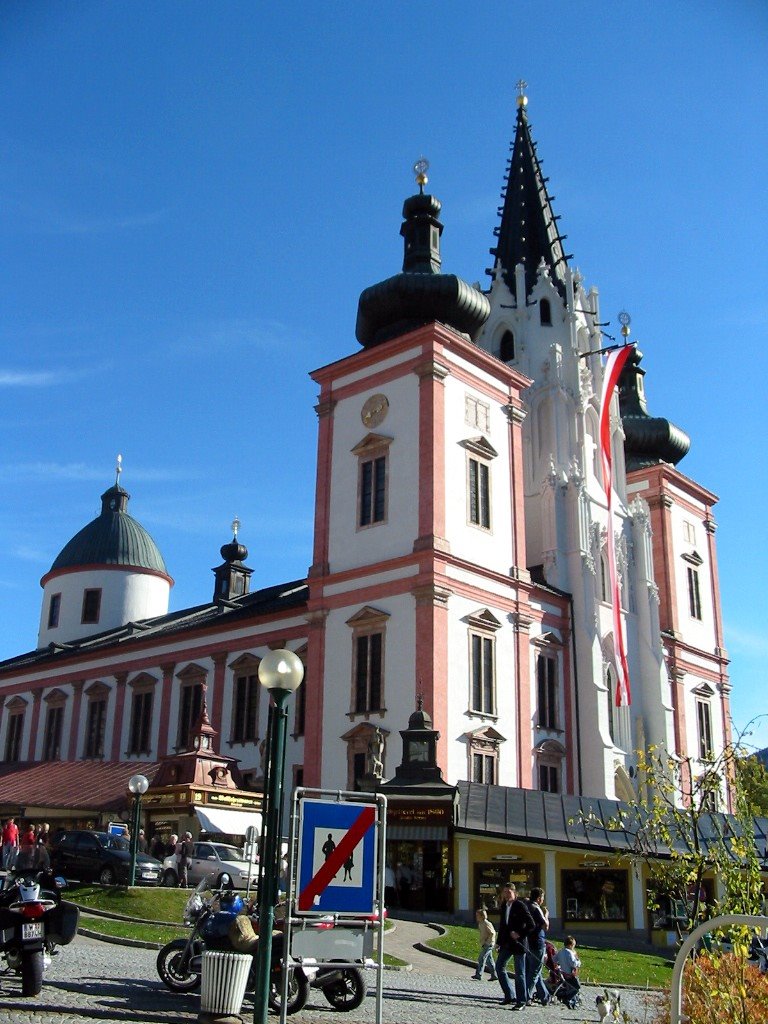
(31,378)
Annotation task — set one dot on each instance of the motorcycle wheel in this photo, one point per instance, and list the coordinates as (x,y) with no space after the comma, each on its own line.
(31,972)
(347,993)
(298,991)
(168,967)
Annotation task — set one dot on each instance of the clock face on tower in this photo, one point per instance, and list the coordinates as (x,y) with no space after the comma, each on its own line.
(374,410)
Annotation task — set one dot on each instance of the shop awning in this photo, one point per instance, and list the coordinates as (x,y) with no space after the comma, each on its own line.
(228,820)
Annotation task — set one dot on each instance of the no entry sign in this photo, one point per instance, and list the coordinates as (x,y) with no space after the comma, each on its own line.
(337,858)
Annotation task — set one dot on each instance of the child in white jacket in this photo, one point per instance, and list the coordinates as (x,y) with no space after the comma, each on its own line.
(487,942)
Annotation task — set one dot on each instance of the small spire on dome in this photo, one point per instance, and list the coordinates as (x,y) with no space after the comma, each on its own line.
(625,320)
(522,99)
(235,527)
(420,169)
(118,470)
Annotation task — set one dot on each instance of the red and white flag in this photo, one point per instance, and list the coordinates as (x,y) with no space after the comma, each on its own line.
(611,374)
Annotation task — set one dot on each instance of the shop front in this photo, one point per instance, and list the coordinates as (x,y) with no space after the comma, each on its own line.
(419,856)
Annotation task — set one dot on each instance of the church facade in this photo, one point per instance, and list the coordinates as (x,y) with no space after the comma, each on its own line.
(459,565)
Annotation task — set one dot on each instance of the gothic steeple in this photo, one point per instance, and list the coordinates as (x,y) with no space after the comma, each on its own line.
(528,232)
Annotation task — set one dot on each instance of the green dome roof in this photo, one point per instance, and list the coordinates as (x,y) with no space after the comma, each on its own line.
(113,538)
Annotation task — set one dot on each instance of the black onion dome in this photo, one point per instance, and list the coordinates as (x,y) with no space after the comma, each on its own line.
(420,719)
(234,551)
(113,538)
(648,440)
(420,294)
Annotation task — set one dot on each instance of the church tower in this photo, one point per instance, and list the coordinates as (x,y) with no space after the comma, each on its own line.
(414,588)
(546,324)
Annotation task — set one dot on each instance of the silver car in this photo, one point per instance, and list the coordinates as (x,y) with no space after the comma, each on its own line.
(224,866)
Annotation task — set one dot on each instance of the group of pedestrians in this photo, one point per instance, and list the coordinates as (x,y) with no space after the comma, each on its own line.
(523,926)
(21,840)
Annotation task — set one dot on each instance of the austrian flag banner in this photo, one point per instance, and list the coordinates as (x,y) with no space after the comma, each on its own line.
(611,374)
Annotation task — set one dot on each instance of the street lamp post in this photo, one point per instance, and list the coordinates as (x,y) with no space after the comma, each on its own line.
(281,673)
(138,785)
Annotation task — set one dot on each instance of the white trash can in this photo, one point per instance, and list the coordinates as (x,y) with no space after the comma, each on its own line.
(224,977)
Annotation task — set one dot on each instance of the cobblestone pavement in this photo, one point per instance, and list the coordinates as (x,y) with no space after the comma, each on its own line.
(92,980)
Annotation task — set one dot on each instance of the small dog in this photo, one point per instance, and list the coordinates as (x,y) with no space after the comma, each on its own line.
(608,1004)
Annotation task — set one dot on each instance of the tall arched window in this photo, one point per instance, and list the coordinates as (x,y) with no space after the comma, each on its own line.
(507,347)
(610,683)
(545,313)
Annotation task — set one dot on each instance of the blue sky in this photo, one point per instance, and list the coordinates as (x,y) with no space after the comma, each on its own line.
(194,195)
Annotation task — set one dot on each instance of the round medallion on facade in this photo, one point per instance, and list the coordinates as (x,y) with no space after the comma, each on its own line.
(374,410)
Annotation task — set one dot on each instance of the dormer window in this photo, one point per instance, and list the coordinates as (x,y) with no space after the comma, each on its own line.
(545,313)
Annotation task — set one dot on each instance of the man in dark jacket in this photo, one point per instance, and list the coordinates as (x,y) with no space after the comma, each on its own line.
(515,925)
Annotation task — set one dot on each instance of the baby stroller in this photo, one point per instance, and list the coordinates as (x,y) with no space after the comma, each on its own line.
(565,990)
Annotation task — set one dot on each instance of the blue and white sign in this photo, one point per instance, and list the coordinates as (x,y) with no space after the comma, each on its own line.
(336,870)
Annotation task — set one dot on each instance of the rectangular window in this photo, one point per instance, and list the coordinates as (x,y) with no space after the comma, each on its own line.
(704,720)
(94,728)
(54,608)
(52,739)
(368,661)
(689,533)
(189,712)
(549,778)
(301,707)
(546,680)
(484,769)
(141,722)
(245,724)
(13,737)
(483,673)
(479,494)
(91,606)
(373,490)
(477,414)
(694,595)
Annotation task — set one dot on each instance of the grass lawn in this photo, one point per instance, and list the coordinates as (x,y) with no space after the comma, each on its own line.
(129,930)
(599,966)
(155,904)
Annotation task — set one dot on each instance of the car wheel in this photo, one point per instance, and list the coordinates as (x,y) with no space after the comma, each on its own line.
(170,878)
(107,875)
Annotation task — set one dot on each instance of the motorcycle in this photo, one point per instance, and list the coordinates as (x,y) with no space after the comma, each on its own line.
(33,921)
(179,962)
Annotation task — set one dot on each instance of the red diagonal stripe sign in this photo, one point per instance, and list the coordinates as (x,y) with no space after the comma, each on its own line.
(335,862)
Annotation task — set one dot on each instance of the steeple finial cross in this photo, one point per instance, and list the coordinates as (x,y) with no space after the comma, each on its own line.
(118,470)
(235,527)
(522,99)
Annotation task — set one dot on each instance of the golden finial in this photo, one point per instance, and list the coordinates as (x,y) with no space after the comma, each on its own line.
(235,527)
(118,470)
(420,169)
(625,320)
(522,99)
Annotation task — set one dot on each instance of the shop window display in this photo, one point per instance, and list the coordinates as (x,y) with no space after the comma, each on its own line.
(592,895)
(491,877)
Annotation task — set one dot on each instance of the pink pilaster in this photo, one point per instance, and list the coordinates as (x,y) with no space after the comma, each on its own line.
(35,726)
(117,722)
(219,675)
(166,693)
(74,732)
(313,708)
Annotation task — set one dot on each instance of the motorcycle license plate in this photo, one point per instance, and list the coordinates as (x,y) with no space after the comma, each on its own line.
(31,930)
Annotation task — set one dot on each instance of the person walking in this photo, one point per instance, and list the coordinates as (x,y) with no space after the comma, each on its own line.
(487,942)
(515,925)
(184,859)
(10,843)
(537,946)
(141,842)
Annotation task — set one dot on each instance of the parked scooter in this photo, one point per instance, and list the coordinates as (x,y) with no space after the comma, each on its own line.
(33,921)
(179,963)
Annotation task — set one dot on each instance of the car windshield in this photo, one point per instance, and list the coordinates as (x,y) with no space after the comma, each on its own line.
(228,852)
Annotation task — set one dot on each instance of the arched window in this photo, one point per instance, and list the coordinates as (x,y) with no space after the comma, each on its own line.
(507,347)
(545,313)
(610,683)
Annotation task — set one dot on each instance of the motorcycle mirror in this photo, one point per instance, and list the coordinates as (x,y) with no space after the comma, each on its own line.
(61,883)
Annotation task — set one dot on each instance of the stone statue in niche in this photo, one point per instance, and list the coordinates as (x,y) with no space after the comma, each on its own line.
(376,754)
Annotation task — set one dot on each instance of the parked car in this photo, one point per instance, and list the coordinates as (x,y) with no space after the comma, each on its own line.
(225,866)
(101,857)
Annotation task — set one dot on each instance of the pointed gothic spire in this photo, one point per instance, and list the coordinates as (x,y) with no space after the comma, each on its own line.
(528,232)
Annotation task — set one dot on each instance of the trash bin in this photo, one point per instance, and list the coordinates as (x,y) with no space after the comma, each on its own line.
(224,978)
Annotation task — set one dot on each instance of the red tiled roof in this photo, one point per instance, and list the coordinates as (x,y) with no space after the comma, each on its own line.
(74,785)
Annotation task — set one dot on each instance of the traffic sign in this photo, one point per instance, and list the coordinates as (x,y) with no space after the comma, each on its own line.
(336,868)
